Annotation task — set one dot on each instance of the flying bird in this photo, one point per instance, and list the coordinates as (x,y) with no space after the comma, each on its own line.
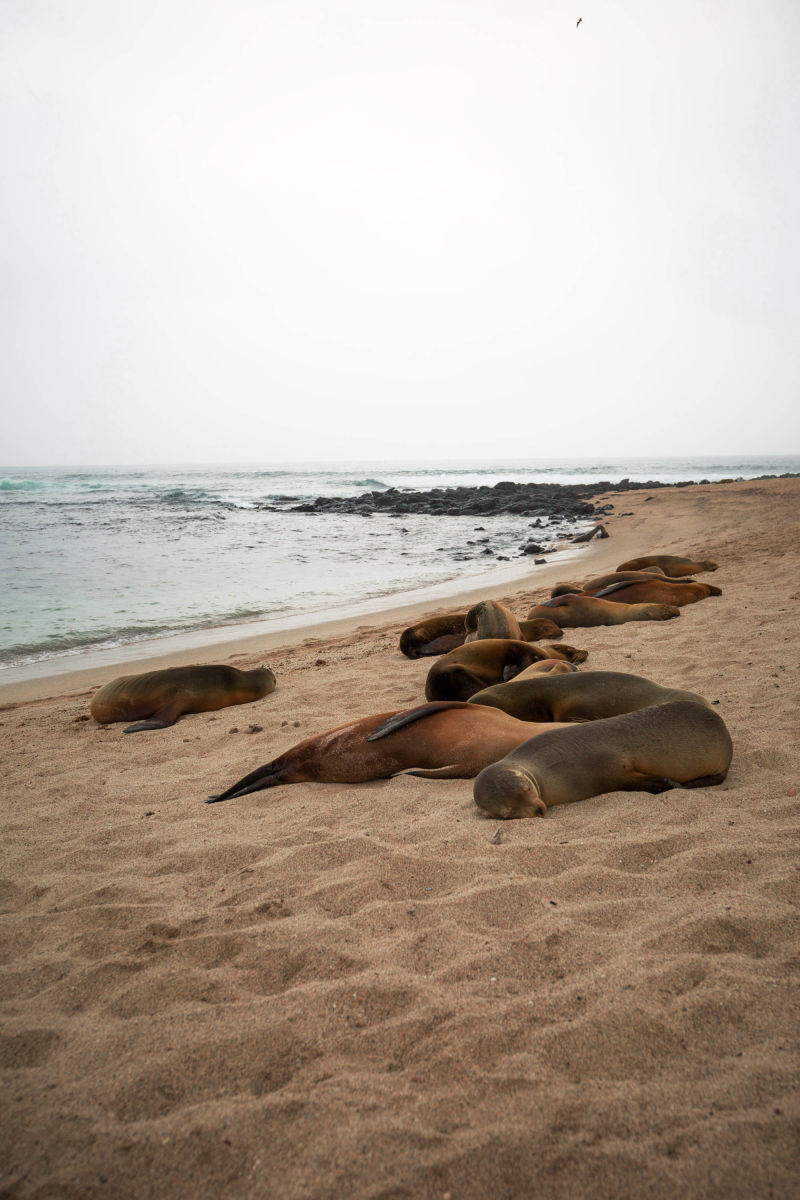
(579,21)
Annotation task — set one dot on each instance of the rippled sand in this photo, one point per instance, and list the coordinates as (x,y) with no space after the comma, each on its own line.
(373,991)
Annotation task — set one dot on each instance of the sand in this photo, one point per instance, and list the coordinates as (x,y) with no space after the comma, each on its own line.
(374,991)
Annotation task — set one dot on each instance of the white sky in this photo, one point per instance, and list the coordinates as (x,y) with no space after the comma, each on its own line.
(248,230)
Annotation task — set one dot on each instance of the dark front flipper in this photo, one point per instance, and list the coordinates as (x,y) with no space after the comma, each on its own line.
(704,781)
(638,782)
(162,719)
(401,719)
(452,772)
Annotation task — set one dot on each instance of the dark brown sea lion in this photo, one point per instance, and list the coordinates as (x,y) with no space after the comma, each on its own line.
(659,591)
(163,696)
(599,531)
(603,581)
(672,565)
(490,619)
(652,750)
(437,741)
(588,696)
(580,610)
(434,635)
(471,668)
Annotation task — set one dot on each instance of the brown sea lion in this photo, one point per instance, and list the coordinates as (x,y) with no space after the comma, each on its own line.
(469,669)
(672,565)
(588,696)
(547,666)
(437,741)
(541,630)
(599,531)
(163,696)
(652,750)
(580,610)
(659,591)
(434,635)
(490,619)
(603,581)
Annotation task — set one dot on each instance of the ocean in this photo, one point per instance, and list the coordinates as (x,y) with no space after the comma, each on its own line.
(94,558)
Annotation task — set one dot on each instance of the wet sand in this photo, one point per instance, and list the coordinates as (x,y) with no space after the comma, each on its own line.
(374,991)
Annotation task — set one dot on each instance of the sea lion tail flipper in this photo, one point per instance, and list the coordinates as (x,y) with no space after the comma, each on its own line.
(409,716)
(162,719)
(454,771)
(263,777)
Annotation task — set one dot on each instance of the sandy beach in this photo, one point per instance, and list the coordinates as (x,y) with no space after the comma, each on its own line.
(374,991)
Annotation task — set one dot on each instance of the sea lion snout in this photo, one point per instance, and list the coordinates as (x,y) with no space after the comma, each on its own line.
(505,792)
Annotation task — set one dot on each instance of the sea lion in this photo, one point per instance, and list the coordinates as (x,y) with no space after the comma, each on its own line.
(599,531)
(602,581)
(540,630)
(672,565)
(588,696)
(163,696)
(437,741)
(471,668)
(490,619)
(668,745)
(659,591)
(547,666)
(579,610)
(434,635)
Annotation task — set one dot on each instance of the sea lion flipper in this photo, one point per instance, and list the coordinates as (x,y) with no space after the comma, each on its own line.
(452,772)
(401,719)
(165,716)
(640,782)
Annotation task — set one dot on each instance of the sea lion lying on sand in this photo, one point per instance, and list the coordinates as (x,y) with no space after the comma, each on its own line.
(439,635)
(672,565)
(490,619)
(444,741)
(603,581)
(434,635)
(471,668)
(580,610)
(659,591)
(588,696)
(665,746)
(163,696)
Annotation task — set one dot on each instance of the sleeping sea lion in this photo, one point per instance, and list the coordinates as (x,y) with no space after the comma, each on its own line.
(588,696)
(671,564)
(659,591)
(490,619)
(438,635)
(579,609)
(163,696)
(471,668)
(602,581)
(547,666)
(668,745)
(434,635)
(437,741)
(542,629)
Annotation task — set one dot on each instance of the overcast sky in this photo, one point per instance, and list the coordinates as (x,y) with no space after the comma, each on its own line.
(319,229)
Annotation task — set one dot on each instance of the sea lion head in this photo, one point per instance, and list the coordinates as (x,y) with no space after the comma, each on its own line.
(504,792)
(263,679)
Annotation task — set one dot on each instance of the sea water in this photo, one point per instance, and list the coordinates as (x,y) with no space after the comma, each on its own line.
(103,557)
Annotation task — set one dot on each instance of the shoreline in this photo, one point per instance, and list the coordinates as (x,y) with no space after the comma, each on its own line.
(92,667)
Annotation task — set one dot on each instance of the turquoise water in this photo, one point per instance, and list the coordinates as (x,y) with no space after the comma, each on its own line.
(102,557)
